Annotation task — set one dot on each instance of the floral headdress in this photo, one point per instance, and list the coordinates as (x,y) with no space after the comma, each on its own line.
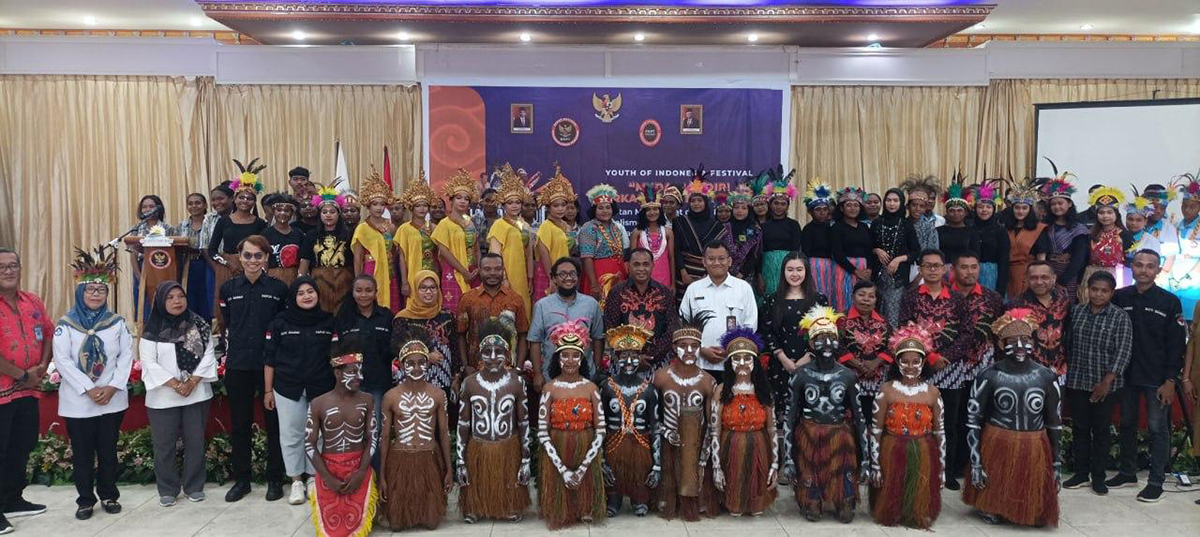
(1188,185)
(327,194)
(602,193)
(374,188)
(957,195)
(557,188)
(1106,196)
(914,337)
(247,180)
(98,268)
(1058,186)
(417,191)
(989,192)
(819,320)
(780,184)
(649,197)
(461,183)
(851,193)
(1015,322)
(627,337)
(817,194)
(570,335)
(699,184)
(741,340)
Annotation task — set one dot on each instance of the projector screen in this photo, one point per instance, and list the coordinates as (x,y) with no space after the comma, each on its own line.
(1119,143)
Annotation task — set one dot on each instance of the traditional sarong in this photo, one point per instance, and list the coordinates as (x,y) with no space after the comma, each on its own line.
(561,507)
(772,263)
(609,272)
(911,492)
(843,284)
(415,491)
(285,275)
(826,477)
(694,266)
(350,515)
(822,275)
(631,463)
(333,285)
(492,490)
(681,491)
(1020,469)
(989,276)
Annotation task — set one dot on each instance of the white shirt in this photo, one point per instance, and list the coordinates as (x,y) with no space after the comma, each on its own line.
(733,297)
(72,401)
(159,367)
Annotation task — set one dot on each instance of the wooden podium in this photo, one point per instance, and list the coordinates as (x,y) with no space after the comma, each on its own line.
(162,259)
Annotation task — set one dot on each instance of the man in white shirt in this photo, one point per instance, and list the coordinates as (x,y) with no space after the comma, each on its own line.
(728,298)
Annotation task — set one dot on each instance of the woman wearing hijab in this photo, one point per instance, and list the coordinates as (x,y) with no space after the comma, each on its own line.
(894,243)
(93,352)
(743,238)
(178,366)
(297,370)
(696,228)
(425,311)
(993,238)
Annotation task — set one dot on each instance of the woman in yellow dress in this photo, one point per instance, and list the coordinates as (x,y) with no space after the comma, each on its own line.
(372,242)
(507,238)
(414,238)
(457,239)
(553,242)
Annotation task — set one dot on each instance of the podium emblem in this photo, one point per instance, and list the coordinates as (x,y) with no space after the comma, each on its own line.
(159,260)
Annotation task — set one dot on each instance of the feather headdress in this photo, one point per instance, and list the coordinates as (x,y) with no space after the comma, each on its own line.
(691,326)
(989,192)
(672,191)
(1106,196)
(1188,185)
(758,184)
(721,199)
(819,320)
(99,268)
(247,179)
(1023,191)
(851,193)
(817,194)
(912,337)
(740,194)
(1139,204)
(957,195)
(602,193)
(699,183)
(929,184)
(557,188)
(1059,186)
(570,335)
(780,184)
(741,340)
(327,194)
(1015,322)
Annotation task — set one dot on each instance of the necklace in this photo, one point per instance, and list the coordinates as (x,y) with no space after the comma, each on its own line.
(743,387)
(569,385)
(911,391)
(690,381)
(494,386)
(614,244)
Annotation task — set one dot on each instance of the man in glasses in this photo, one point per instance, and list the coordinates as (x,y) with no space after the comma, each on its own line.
(567,304)
(727,298)
(248,303)
(24,356)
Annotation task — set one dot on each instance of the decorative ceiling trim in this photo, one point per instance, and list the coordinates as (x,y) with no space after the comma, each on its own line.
(975,40)
(221,36)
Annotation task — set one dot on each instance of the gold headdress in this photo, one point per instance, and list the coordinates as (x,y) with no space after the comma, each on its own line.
(511,185)
(627,337)
(820,320)
(461,183)
(416,191)
(557,188)
(373,188)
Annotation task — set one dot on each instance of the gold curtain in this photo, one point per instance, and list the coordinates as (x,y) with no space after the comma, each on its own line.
(78,152)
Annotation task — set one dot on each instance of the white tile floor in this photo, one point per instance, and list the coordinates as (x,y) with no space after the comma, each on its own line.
(1118,514)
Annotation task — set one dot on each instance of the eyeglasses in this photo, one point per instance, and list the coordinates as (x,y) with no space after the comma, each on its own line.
(933,266)
(568,275)
(258,256)
(100,290)
(11,267)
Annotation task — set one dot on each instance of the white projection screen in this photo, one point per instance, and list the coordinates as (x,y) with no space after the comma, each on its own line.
(1119,143)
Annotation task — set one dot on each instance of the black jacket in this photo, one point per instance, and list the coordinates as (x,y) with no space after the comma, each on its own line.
(247,309)
(300,356)
(1158,335)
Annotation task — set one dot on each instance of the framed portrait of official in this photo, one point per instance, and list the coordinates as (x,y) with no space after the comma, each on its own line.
(691,119)
(521,115)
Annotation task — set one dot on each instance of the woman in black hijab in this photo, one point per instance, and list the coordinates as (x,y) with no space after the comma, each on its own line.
(178,368)
(894,244)
(693,230)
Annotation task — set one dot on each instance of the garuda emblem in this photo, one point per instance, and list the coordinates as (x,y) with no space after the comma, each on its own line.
(606,108)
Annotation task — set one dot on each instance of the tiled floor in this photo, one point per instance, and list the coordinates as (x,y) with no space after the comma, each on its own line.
(1118,514)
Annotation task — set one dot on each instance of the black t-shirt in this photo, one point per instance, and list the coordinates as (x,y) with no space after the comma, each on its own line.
(285,248)
(815,240)
(956,240)
(848,241)
(329,250)
(374,335)
(227,234)
(781,234)
(248,308)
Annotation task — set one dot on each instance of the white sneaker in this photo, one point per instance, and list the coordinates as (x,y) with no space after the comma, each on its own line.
(297,495)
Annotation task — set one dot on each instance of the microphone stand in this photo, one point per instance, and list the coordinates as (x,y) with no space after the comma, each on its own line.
(113,244)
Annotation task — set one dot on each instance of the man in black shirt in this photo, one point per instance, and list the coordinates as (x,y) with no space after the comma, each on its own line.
(1158,345)
(248,303)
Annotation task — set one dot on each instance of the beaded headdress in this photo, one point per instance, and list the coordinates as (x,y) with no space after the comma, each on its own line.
(374,188)
(699,183)
(493,339)
(691,326)
(817,194)
(851,193)
(602,193)
(1015,322)
(819,320)
(412,347)
(461,183)
(98,268)
(1058,186)
(247,180)
(328,195)
(557,188)
(740,194)
(779,184)
(672,191)
(345,359)
(627,337)
(649,197)
(417,191)
(570,335)
(741,340)
(1106,196)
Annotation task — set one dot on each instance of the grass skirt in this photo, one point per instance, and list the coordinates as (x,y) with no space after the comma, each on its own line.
(1020,469)
(333,286)
(746,461)
(911,492)
(415,492)
(562,507)
(630,463)
(493,491)
(826,476)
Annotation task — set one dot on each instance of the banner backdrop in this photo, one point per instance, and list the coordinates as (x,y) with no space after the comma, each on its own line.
(626,137)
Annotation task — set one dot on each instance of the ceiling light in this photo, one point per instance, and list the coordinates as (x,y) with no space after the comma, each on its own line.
(90,20)
(525,37)
(403,36)
(195,21)
(873,37)
(639,37)
(753,38)
(1087,27)
(298,35)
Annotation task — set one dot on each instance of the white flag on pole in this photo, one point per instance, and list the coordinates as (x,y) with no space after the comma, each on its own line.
(341,177)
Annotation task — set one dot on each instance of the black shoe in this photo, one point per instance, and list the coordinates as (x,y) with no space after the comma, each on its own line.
(1078,480)
(83,513)
(952,484)
(5,526)
(111,506)
(23,507)
(274,491)
(237,491)
(1099,487)
(1121,480)
(1150,494)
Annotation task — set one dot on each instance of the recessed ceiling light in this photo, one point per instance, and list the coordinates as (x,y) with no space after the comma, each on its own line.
(873,37)
(1087,27)
(753,38)
(299,35)
(525,37)
(639,37)
(195,21)
(403,36)
(90,20)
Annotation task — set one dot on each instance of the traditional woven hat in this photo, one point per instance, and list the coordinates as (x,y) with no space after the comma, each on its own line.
(417,191)
(374,188)
(741,340)
(557,188)
(819,320)
(98,268)
(1015,322)
(461,183)
(627,337)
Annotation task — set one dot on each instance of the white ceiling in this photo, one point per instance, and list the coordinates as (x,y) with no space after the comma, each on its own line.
(1147,17)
